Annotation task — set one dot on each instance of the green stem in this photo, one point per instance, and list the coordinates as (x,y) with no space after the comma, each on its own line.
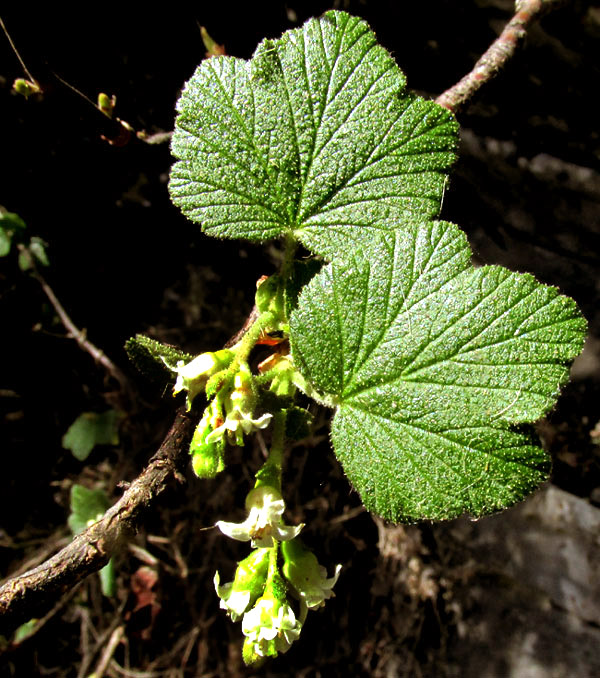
(273,570)
(278,439)
(250,338)
(270,472)
(289,251)
(242,351)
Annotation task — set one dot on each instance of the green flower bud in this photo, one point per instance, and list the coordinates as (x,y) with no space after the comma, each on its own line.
(269,295)
(249,655)
(208,457)
(26,87)
(107,104)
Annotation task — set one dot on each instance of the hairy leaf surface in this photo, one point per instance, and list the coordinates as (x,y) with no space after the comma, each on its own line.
(315,136)
(430,364)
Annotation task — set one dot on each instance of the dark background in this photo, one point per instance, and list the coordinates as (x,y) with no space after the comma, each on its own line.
(123,260)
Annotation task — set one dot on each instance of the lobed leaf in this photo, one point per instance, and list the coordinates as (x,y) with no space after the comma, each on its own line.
(316,137)
(430,363)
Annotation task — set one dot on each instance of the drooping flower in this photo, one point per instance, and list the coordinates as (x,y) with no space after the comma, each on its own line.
(308,578)
(248,584)
(264,523)
(270,627)
(192,376)
(236,424)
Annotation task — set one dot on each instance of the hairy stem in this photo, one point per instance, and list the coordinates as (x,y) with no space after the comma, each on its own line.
(499,52)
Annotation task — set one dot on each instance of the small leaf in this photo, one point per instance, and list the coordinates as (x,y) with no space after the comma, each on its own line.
(315,136)
(87,506)
(5,241)
(11,225)
(25,631)
(429,363)
(108,579)
(154,359)
(91,429)
(37,247)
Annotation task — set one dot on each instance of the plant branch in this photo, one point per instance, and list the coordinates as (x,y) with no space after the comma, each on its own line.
(16,51)
(30,594)
(499,52)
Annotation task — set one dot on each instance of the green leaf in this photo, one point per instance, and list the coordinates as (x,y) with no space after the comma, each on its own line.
(301,274)
(87,506)
(108,579)
(315,136)
(153,359)
(25,631)
(91,429)
(430,363)
(11,225)
(32,254)
(37,247)
(5,241)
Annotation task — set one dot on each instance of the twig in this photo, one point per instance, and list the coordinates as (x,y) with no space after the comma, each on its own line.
(73,331)
(30,594)
(499,52)
(16,51)
(24,645)
(109,651)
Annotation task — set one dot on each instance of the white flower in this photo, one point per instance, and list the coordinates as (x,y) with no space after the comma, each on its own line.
(237,423)
(318,588)
(193,376)
(264,523)
(199,367)
(271,623)
(309,579)
(235,602)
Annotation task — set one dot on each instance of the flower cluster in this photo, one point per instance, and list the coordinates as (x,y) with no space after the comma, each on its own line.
(229,415)
(259,592)
(239,405)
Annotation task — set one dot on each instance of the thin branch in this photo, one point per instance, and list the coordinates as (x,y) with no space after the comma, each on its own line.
(73,331)
(30,594)
(499,52)
(16,51)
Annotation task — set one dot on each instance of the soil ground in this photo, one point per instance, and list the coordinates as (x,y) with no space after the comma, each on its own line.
(512,595)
